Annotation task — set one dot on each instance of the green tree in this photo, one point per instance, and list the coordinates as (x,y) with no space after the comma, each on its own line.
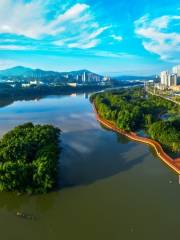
(29,158)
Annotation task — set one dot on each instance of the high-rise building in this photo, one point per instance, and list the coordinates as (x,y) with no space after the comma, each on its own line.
(77,77)
(84,77)
(164,78)
(106,78)
(176,70)
(172,80)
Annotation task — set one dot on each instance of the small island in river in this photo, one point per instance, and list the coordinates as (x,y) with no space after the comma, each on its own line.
(29,159)
(129,110)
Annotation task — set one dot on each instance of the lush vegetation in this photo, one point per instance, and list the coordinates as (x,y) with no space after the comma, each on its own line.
(29,159)
(132,109)
(18,92)
(177,99)
(167,133)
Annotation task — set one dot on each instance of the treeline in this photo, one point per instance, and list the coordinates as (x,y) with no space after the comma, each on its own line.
(8,92)
(29,159)
(132,109)
(167,133)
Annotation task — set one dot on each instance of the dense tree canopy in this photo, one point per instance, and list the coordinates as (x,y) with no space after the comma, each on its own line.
(132,109)
(29,158)
(167,133)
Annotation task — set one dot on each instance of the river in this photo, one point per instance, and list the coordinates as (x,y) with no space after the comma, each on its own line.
(111,188)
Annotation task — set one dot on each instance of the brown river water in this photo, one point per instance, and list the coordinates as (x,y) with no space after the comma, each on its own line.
(111,188)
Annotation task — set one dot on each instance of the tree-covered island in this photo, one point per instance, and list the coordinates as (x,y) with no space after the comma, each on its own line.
(133,109)
(29,159)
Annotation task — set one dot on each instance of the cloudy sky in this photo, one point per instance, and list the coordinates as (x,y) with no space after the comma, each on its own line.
(105,36)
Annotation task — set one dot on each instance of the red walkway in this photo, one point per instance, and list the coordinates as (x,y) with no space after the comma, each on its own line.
(172,163)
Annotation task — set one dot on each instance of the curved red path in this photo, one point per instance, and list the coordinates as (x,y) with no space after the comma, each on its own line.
(172,163)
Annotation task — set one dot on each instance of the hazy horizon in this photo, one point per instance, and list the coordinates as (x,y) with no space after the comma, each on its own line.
(111,74)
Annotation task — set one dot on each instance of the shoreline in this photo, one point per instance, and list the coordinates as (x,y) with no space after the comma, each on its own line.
(174,164)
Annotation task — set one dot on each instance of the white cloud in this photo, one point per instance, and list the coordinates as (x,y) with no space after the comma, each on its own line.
(23,18)
(29,19)
(8,40)
(98,32)
(15,47)
(85,45)
(72,27)
(160,36)
(86,39)
(118,38)
(71,14)
(122,55)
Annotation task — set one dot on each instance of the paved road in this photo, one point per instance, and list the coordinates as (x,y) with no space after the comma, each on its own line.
(166,98)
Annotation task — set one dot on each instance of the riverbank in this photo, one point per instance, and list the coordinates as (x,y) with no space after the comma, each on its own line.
(174,164)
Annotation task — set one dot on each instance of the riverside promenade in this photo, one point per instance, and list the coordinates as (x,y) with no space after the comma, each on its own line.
(174,164)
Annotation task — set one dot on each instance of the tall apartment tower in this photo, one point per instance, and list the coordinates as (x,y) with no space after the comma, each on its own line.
(172,80)
(176,70)
(164,78)
(84,77)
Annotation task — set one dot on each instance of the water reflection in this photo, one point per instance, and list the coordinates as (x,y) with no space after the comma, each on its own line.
(90,151)
(93,154)
(118,185)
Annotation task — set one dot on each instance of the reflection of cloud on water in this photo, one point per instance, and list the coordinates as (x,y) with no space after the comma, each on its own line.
(89,151)
(76,122)
(80,115)
(79,147)
(96,154)
(82,141)
(67,121)
(10,117)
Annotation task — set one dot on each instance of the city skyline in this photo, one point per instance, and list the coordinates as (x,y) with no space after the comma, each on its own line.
(134,38)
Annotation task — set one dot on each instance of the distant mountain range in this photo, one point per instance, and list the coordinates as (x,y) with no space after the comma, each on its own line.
(21,72)
(25,72)
(16,71)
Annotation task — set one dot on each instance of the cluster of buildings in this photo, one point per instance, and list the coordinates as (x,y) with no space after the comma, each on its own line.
(170,80)
(31,83)
(73,79)
(86,78)
(24,84)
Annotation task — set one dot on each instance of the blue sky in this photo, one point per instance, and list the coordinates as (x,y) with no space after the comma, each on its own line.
(105,36)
